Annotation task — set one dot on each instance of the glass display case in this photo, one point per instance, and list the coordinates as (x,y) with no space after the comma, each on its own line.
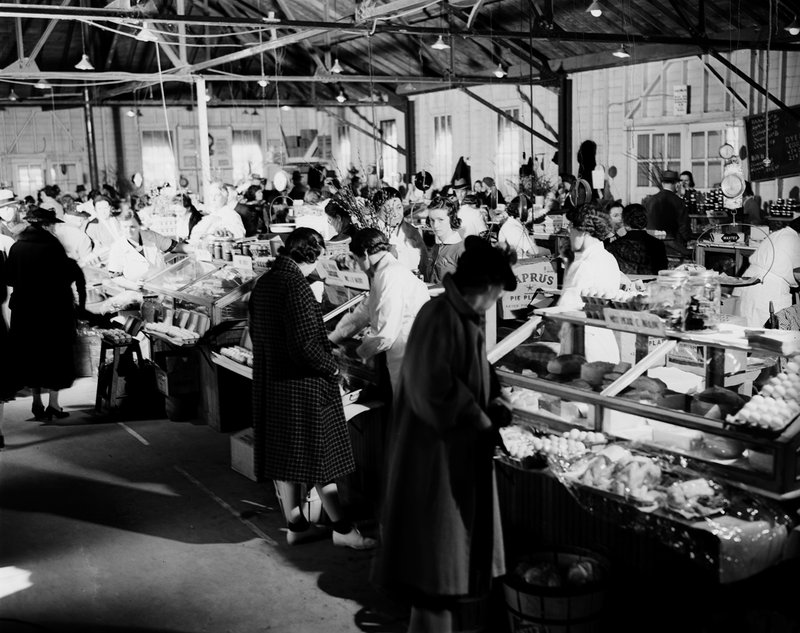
(218,291)
(705,426)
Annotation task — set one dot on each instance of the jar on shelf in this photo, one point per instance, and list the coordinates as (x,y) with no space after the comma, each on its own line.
(227,249)
(669,297)
(217,250)
(703,307)
(150,308)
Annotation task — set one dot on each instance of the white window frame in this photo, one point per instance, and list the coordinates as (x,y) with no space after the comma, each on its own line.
(509,152)
(684,162)
(247,153)
(442,149)
(390,157)
(158,167)
(343,149)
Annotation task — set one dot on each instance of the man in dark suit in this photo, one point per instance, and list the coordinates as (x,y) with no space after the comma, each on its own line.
(637,252)
(666,212)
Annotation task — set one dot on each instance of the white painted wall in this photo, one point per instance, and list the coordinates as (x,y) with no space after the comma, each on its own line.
(610,106)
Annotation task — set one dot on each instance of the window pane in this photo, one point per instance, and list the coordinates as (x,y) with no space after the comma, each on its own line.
(713,144)
(699,173)
(643,146)
(698,145)
(509,151)
(643,175)
(247,155)
(674,165)
(158,163)
(658,147)
(673,146)
(389,156)
(714,172)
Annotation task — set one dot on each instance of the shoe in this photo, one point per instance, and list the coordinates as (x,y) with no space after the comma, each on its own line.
(354,540)
(58,414)
(313,533)
(39,413)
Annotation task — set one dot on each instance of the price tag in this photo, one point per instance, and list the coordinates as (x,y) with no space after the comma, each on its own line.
(243,262)
(634,321)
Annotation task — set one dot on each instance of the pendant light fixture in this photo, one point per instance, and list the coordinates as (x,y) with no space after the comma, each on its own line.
(499,72)
(440,44)
(285,107)
(43,84)
(263,82)
(132,114)
(595,9)
(146,35)
(12,96)
(621,52)
(84,64)
(793,27)
(341,97)
(336,68)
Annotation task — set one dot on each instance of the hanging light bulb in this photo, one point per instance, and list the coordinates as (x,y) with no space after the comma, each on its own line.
(595,9)
(621,52)
(341,97)
(12,96)
(285,107)
(263,82)
(43,84)
(793,27)
(336,68)
(254,112)
(146,35)
(499,72)
(84,64)
(130,113)
(440,44)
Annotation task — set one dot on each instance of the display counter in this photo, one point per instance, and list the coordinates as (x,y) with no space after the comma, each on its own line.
(747,465)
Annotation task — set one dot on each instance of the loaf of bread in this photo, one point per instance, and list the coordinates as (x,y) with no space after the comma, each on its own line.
(594,372)
(566,365)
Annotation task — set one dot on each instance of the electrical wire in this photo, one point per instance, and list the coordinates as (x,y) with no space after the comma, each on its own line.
(166,114)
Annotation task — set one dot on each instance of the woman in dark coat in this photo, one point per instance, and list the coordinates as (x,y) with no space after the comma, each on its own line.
(301,435)
(42,312)
(440,526)
(637,252)
(8,381)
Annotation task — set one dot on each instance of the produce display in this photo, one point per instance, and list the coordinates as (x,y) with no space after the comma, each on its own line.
(776,405)
(595,300)
(116,337)
(239,354)
(179,335)
(533,449)
(644,481)
(219,283)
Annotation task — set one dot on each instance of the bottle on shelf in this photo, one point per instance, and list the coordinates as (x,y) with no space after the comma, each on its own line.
(772,322)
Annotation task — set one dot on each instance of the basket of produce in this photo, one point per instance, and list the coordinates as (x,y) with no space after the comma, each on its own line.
(560,591)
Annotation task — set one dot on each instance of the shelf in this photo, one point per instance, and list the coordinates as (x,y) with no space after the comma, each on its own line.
(232,365)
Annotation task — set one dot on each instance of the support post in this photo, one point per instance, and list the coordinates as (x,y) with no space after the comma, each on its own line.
(91,145)
(202,130)
(565,125)
(411,143)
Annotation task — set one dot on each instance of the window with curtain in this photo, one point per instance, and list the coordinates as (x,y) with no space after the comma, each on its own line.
(248,158)
(509,152)
(442,150)
(389,156)
(158,161)
(344,156)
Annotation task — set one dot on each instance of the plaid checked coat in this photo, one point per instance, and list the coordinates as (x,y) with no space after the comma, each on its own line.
(300,431)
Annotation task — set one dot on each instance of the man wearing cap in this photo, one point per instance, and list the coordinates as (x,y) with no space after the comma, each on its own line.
(461,188)
(666,212)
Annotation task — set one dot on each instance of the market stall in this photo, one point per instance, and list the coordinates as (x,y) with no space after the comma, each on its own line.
(646,460)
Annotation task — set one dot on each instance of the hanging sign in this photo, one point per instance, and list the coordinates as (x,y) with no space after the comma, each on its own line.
(680,100)
(532,275)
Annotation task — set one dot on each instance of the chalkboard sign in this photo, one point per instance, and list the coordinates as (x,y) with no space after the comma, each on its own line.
(784,144)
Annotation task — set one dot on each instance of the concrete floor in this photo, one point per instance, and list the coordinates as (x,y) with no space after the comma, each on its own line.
(139,526)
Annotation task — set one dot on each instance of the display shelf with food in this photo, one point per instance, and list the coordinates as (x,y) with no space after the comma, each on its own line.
(664,407)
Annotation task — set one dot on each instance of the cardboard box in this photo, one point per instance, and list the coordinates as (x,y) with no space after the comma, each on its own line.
(242,454)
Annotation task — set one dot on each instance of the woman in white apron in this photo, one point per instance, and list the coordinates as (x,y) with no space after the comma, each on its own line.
(135,257)
(774,262)
(593,267)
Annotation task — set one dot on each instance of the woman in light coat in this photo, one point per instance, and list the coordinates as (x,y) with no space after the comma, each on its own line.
(395,297)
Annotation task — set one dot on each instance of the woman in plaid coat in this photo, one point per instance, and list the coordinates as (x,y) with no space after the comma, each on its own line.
(301,434)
